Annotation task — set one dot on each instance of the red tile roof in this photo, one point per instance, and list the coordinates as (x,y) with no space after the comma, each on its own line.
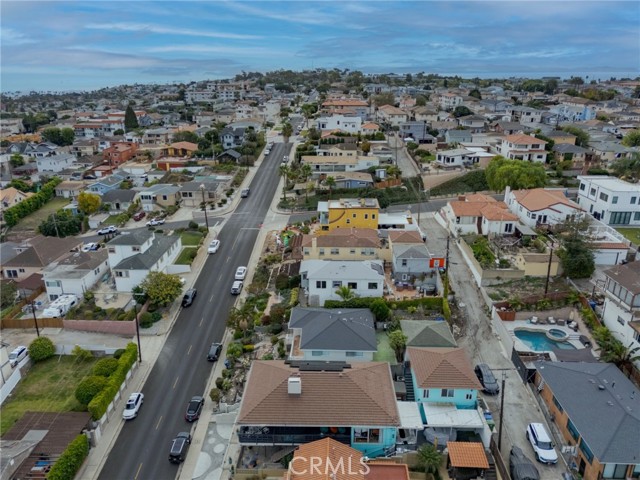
(337,462)
(467,455)
(442,368)
(540,198)
(522,139)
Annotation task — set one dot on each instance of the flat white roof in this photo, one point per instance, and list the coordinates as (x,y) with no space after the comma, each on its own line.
(611,183)
(410,415)
(447,415)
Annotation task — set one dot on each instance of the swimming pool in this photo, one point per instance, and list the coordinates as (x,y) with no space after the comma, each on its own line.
(540,342)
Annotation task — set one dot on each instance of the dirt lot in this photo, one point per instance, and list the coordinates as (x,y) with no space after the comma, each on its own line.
(526,287)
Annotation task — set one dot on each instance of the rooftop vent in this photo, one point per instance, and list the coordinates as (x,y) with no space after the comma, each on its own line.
(295,386)
(601,387)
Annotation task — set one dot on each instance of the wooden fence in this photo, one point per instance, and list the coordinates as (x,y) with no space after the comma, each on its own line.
(29,323)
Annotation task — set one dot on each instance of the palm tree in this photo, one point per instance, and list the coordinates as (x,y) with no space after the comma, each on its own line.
(284,171)
(305,171)
(287,131)
(345,293)
(398,341)
(331,182)
(623,357)
(429,458)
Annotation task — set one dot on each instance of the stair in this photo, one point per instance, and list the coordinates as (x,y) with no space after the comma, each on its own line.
(408,382)
(490,473)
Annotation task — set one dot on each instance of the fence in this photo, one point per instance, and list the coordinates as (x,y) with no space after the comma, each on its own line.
(500,463)
(29,323)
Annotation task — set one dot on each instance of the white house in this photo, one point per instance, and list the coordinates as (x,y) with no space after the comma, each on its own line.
(621,311)
(449,101)
(347,124)
(452,158)
(610,200)
(338,164)
(523,147)
(75,273)
(132,256)
(55,163)
(542,206)
(478,214)
(524,115)
(392,115)
(321,278)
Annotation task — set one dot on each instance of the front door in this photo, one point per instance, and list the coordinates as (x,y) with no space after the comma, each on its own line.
(582,467)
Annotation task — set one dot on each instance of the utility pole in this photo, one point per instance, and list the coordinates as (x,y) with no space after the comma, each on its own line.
(446,261)
(204,205)
(546,284)
(35,319)
(501,411)
(135,309)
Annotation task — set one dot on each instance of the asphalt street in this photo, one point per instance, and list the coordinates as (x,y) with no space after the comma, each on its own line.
(182,370)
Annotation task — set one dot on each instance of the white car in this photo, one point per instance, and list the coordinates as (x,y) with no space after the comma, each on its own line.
(133,405)
(18,354)
(542,444)
(89,247)
(236,288)
(241,272)
(214,246)
(107,230)
(155,222)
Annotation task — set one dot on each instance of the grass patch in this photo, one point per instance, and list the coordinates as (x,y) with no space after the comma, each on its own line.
(631,234)
(474,181)
(191,238)
(385,353)
(33,221)
(186,256)
(48,387)
(112,220)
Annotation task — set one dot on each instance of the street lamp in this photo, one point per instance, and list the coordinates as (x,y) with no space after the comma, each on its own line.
(204,205)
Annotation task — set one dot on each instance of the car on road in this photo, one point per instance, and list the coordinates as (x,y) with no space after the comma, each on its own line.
(214,352)
(543,446)
(214,246)
(194,408)
(154,222)
(179,447)
(189,297)
(241,272)
(236,288)
(245,192)
(17,355)
(90,247)
(285,159)
(487,379)
(132,407)
(139,215)
(521,467)
(108,230)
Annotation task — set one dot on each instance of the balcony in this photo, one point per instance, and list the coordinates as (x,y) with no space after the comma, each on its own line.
(291,435)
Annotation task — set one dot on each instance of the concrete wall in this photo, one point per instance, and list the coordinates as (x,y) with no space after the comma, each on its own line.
(113,327)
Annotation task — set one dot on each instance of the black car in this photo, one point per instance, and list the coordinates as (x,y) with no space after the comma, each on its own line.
(487,379)
(521,467)
(214,352)
(194,408)
(189,297)
(179,447)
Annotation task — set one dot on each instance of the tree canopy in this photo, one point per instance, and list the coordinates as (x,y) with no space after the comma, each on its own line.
(627,167)
(61,224)
(60,136)
(582,139)
(89,203)
(130,119)
(632,139)
(576,255)
(517,174)
(161,288)
(461,111)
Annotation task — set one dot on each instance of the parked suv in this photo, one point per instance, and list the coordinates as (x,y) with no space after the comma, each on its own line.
(18,354)
(214,352)
(179,447)
(245,192)
(541,442)
(487,379)
(236,288)
(189,297)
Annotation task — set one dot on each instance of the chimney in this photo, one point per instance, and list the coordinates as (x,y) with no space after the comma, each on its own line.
(295,386)
(507,190)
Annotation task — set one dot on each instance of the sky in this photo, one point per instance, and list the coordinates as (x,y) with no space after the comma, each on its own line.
(86,45)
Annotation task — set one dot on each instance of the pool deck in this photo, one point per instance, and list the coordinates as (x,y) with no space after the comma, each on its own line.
(573,337)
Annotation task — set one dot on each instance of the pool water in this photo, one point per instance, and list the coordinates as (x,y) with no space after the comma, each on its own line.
(539,341)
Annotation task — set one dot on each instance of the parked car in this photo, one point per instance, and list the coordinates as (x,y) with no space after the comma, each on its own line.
(179,447)
(214,352)
(90,247)
(132,407)
(487,379)
(17,355)
(245,192)
(241,272)
(139,215)
(214,246)
(542,444)
(521,467)
(236,288)
(155,222)
(189,297)
(194,408)
(107,230)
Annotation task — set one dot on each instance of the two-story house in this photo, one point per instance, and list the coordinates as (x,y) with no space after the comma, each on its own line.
(321,279)
(348,106)
(12,196)
(542,206)
(338,150)
(119,153)
(524,115)
(132,256)
(157,136)
(392,115)
(348,213)
(410,257)
(474,123)
(76,273)
(523,147)
(321,334)
(478,214)
(342,123)
(105,184)
(344,244)
(232,137)
(610,200)
(35,254)
(55,163)
(417,130)
(161,194)
(449,101)
(621,310)
(329,165)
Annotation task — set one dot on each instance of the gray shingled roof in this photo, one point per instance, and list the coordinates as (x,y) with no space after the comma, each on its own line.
(607,419)
(133,237)
(348,329)
(119,195)
(427,333)
(147,259)
(411,251)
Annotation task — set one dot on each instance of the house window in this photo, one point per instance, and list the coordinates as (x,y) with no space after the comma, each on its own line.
(373,286)
(306,251)
(457,219)
(352,251)
(122,273)
(633,200)
(348,221)
(529,214)
(366,435)
(592,191)
(11,273)
(620,218)
(604,197)
(614,200)
(533,216)
(52,283)
(636,216)
(316,353)
(352,285)
(426,394)
(21,270)
(355,354)
(557,404)
(586,451)
(135,249)
(508,228)
(354,215)
(373,216)
(615,470)
(468,396)
(447,392)
(335,251)
(404,262)
(321,284)
(321,252)
(621,321)
(572,430)
(336,284)
(366,216)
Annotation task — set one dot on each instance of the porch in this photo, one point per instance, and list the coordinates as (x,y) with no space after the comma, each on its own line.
(258,435)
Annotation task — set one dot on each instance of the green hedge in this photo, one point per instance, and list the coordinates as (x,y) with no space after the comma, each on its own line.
(446,310)
(41,349)
(98,406)
(429,303)
(71,459)
(12,215)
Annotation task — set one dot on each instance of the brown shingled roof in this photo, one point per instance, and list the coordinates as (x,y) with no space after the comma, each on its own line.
(360,395)
(520,138)
(442,368)
(345,237)
(332,454)
(467,455)
(405,236)
(541,198)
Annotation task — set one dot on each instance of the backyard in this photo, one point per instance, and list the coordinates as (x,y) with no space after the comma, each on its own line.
(385,353)
(33,221)
(49,387)
(526,287)
(631,234)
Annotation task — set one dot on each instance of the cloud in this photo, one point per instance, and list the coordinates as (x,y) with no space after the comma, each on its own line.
(9,36)
(221,49)
(159,29)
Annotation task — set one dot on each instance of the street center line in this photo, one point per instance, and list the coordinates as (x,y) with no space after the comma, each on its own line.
(189,351)
(175,383)
(202,319)
(138,472)
(158,424)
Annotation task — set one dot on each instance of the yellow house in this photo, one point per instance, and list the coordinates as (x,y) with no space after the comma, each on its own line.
(348,213)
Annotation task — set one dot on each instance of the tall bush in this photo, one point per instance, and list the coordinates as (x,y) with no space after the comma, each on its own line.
(89,388)
(71,459)
(12,215)
(41,349)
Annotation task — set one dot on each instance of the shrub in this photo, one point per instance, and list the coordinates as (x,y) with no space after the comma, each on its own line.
(274,339)
(277,313)
(215,394)
(226,385)
(248,348)
(71,459)
(234,350)
(41,349)
(219,381)
(156,317)
(89,387)
(105,367)
(118,353)
(267,356)
(81,354)
(146,320)
(275,328)
(380,310)
(193,225)
(227,373)
(293,301)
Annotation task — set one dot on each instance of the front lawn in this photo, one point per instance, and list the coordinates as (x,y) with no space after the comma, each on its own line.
(33,221)
(190,238)
(48,387)
(631,234)
(113,220)
(186,256)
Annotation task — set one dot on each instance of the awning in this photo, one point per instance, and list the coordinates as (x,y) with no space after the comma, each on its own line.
(447,415)
(410,415)
(467,455)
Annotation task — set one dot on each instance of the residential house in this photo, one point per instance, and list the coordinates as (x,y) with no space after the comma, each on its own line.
(232,137)
(416,130)
(180,149)
(348,213)
(342,123)
(132,256)
(428,333)
(119,153)
(347,106)
(523,147)
(321,334)
(542,206)
(621,310)
(344,244)
(84,148)
(467,460)
(76,273)
(370,128)
(330,165)
(478,214)
(449,101)
(609,152)
(33,150)
(12,196)
(35,254)
(161,195)
(568,112)
(8,250)
(566,152)
(524,115)
(338,150)
(230,155)
(105,184)
(596,408)
(55,163)
(560,137)
(610,200)
(451,158)
(425,114)
(69,189)
(474,123)
(365,278)
(119,200)
(290,405)
(353,180)
(508,128)
(392,115)
(453,136)
(194,193)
